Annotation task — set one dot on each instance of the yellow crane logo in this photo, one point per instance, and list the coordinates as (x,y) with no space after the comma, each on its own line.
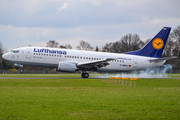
(158,43)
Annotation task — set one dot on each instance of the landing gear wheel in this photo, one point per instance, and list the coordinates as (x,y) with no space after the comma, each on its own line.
(84,75)
(21,70)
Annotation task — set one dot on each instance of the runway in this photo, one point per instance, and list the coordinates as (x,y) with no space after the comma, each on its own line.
(74,78)
(42,78)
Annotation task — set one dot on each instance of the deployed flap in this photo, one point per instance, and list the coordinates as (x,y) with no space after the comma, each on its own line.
(163,58)
(94,64)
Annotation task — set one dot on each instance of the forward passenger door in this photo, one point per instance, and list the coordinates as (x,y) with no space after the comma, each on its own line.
(28,53)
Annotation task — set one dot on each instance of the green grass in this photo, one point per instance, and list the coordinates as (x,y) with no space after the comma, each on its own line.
(48,99)
(175,75)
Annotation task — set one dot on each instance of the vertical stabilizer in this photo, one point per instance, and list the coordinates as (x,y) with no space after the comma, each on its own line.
(155,47)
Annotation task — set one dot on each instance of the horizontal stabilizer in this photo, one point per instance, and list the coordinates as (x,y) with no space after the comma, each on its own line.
(163,58)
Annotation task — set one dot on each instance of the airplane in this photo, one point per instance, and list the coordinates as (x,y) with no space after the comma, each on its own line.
(68,60)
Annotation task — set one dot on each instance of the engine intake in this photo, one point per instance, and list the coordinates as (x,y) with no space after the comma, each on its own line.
(66,67)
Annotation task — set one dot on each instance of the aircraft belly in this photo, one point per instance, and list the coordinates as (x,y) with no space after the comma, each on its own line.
(39,64)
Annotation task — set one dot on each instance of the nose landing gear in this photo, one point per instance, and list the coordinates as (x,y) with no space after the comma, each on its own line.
(21,70)
(21,66)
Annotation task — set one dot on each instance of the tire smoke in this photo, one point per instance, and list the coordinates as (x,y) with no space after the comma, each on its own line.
(156,72)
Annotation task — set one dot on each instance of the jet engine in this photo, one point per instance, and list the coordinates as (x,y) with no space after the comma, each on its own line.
(67,67)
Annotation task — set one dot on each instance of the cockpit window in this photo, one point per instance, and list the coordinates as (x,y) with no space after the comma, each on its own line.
(15,51)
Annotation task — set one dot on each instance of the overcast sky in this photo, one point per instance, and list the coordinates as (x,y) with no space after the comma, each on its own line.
(35,22)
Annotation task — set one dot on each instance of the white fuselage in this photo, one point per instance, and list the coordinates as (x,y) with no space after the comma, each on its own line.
(50,57)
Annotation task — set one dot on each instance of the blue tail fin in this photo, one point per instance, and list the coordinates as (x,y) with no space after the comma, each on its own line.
(155,47)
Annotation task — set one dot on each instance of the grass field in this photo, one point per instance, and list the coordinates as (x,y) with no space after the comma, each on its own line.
(49,99)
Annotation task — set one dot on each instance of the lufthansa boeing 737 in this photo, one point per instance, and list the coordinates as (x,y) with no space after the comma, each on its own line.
(76,60)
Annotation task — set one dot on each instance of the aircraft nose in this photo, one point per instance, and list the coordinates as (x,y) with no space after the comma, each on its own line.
(5,56)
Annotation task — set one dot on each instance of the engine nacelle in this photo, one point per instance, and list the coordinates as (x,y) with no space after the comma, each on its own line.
(67,67)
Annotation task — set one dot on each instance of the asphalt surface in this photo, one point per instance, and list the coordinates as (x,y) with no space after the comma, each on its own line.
(76,78)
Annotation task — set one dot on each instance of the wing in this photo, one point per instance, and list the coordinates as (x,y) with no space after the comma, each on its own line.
(94,65)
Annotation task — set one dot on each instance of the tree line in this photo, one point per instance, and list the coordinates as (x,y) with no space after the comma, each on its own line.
(131,42)
(128,42)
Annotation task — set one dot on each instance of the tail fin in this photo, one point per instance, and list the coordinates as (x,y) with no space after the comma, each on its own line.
(155,47)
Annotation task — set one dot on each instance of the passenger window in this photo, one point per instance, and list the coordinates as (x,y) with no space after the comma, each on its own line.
(34,53)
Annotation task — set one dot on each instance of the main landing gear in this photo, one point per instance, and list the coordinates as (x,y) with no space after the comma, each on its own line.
(84,75)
